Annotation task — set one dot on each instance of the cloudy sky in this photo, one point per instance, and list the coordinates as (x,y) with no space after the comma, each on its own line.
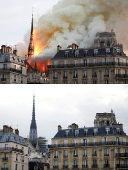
(60,105)
(15,18)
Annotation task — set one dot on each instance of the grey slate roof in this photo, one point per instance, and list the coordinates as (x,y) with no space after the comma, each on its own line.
(90,132)
(11,137)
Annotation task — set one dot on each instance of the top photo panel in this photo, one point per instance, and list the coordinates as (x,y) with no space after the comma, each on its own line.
(64,42)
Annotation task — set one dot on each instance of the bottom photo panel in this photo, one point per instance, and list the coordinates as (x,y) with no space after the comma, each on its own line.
(58,127)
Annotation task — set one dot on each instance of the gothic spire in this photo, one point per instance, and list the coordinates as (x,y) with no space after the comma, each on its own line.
(31,43)
(33,127)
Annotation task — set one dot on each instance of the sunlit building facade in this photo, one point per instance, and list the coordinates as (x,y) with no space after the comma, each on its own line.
(104,146)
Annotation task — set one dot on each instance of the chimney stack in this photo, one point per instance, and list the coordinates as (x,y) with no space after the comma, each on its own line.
(8,49)
(3,49)
(7,129)
(59,48)
(74,46)
(17,132)
(74,126)
(59,128)
(15,52)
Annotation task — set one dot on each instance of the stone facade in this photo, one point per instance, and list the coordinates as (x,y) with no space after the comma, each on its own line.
(105,63)
(13,151)
(101,147)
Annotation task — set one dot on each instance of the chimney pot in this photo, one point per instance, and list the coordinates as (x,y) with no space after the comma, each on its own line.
(59,128)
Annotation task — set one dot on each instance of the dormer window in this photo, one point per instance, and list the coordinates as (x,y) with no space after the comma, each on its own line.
(85,53)
(76,132)
(118,130)
(107,130)
(107,50)
(95,131)
(67,133)
(95,51)
(77,53)
(85,132)
(66,53)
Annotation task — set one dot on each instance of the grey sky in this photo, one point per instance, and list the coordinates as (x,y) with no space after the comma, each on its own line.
(60,104)
(15,18)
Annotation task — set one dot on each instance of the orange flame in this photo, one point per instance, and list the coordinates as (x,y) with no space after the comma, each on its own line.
(38,48)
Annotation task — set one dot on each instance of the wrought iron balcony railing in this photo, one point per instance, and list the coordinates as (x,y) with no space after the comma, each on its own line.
(65,166)
(55,167)
(94,154)
(84,166)
(65,156)
(108,64)
(121,76)
(10,69)
(11,149)
(55,156)
(90,144)
(5,159)
(3,79)
(4,169)
(106,154)
(75,166)
(122,166)
(122,155)
(106,166)
(94,166)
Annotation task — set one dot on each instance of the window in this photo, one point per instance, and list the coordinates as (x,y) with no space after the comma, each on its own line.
(22,158)
(84,82)
(105,140)
(56,142)
(94,61)
(75,153)
(15,67)
(65,163)
(75,142)
(75,162)
(94,163)
(94,73)
(16,157)
(76,132)
(95,51)
(107,130)
(106,82)
(84,74)
(85,132)
(106,162)
(6,146)
(85,142)
(56,63)
(55,74)
(66,53)
(21,68)
(85,53)
(4,66)
(118,71)
(94,82)
(118,150)
(106,73)
(106,152)
(67,133)
(14,78)
(84,163)
(55,154)
(65,153)
(55,164)
(84,153)
(95,131)
(5,165)
(77,53)
(3,77)
(5,156)
(107,50)
(16,167)
(65,74)
(94,152)
(22,167)
(75,74)
(65,62)
(75,62)
(65,142)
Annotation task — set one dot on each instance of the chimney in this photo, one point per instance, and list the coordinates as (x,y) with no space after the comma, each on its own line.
(59,128)
(5,129)
(15,52)
(10,129)
(8,49)
(73,46)
(3,49)
(59,48)
(74,126)
(17,132)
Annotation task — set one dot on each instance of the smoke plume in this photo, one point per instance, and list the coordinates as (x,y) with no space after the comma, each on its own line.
(77,21)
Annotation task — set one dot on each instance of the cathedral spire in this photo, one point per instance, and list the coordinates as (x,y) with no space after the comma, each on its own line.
(33,127)
(31,43)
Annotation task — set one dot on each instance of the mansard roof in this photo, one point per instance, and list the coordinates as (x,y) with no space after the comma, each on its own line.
(101,131)
(90,53)
(11,137)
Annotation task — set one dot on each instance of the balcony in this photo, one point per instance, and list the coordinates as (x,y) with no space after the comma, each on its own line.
(55,167)
(55,78)
(75,156)
(91,144)
(106,166)
(5,159)
(125,155)
(123,76)
(75,166)
(55,156)
(94,166)
(122,166)
(65,77)
(106,154)
(75,77)
(4,169)
(84,77)
(106,76)
(84,155)
(10,70)
(65,156)
(94,76)
(98,64)
(65,166)
(3,79)
(84,166)
(94,154)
